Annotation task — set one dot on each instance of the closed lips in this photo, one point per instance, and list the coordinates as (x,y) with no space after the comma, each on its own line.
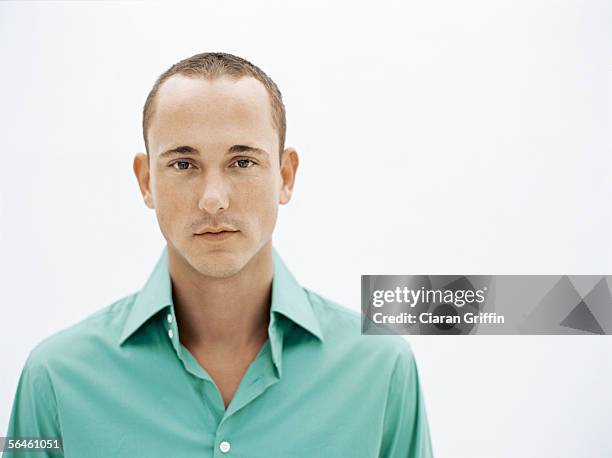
(216,231)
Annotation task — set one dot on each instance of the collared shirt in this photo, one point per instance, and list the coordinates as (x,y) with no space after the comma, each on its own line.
(120,384)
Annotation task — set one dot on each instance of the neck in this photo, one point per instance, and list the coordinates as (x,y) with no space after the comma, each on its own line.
(223,314)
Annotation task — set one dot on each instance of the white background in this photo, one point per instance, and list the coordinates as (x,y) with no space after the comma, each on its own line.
(455,137)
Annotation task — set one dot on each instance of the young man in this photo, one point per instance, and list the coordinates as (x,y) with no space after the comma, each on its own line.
(222,353)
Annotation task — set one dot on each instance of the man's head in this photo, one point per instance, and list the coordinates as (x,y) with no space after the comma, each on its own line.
(214,129)
(210,66)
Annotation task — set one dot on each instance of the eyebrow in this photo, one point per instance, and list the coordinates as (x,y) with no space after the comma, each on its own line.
(184,149)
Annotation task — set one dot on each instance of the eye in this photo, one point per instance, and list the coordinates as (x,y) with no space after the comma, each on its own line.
(244,163)
(182,165)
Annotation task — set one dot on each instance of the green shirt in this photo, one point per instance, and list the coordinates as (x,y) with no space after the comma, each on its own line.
(120,384)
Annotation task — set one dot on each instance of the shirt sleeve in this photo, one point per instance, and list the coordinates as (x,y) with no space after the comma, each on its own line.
(34,413)
(405,429)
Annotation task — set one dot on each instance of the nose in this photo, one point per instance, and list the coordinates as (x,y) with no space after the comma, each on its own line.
(215,195)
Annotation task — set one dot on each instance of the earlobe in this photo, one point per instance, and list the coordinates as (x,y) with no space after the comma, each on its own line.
(285,195)
(141,170)
(148,201)
(289,166)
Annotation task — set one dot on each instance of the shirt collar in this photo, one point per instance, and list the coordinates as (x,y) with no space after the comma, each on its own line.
(153,297)
(288,299)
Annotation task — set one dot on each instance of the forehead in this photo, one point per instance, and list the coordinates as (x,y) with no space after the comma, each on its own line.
(222,110)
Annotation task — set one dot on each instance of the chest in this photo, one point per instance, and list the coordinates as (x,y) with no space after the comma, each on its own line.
(226,369)
(155,405)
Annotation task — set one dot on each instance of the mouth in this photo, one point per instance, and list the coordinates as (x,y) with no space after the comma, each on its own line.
(217,235)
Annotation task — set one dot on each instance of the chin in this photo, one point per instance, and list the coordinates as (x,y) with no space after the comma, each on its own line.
(218,264)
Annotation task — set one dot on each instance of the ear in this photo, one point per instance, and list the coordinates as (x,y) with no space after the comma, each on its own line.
(288,169)
(141,170)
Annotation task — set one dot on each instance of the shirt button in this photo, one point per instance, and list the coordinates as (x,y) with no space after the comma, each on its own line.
(170,333)
(169,317)
(224,447)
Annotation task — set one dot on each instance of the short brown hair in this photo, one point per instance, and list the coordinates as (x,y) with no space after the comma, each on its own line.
(211,65)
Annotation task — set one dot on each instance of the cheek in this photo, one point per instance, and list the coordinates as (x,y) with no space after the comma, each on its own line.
(170,205)
(260,202)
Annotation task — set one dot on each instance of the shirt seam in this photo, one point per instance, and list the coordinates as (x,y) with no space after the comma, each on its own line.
(52,406)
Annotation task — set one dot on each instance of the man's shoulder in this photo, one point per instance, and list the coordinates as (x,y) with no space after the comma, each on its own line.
(84,338)
(327,311)
(341,326)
